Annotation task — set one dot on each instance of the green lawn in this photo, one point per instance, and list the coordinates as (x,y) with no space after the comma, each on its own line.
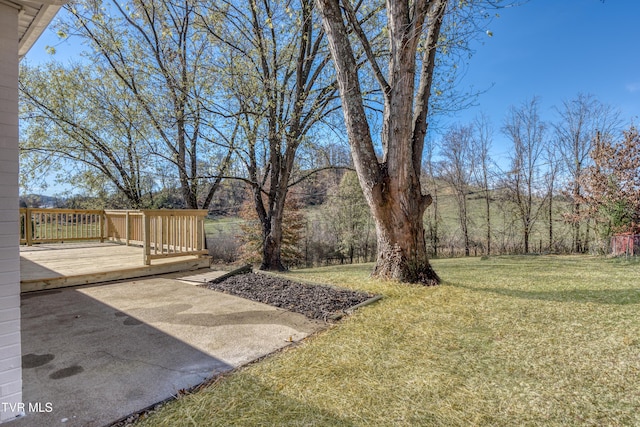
(223,226)
(507,341)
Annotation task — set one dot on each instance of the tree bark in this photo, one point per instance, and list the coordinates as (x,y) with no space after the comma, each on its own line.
(402,250)
(271,247)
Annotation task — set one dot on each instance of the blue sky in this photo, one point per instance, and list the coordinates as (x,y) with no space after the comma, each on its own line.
(553,49)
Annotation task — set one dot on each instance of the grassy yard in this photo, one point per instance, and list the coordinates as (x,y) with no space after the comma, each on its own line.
(506,341)
(223,226)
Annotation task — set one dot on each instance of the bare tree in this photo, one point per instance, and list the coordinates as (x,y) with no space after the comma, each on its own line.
(456,169)
(527,132)
(550,177)
(156,49)
(76,123)
(391,183)
(481,146)
(279,87)
(433,215)
(580,120)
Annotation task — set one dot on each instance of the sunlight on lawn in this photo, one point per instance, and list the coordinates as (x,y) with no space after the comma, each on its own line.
(503,341)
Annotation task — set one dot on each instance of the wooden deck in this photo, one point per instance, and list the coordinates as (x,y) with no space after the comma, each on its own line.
(49,266)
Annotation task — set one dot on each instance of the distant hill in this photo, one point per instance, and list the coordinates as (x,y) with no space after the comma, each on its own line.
(40,201)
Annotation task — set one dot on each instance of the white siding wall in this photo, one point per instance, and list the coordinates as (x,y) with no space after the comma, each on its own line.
(10,352)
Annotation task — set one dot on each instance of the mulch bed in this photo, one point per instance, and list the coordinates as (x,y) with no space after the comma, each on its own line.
(313,301)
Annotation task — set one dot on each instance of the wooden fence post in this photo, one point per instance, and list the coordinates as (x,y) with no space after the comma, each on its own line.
(146,238)
(126,228)
(103,224)
(201,236)
(28,227)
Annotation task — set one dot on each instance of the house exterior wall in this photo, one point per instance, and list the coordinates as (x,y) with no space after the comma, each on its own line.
(10,350)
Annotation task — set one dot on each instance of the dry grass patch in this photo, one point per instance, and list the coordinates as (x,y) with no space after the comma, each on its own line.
(504,341)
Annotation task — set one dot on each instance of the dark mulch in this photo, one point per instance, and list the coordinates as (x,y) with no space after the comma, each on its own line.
(314,301)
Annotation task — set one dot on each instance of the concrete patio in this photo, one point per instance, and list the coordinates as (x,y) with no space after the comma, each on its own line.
(95,354)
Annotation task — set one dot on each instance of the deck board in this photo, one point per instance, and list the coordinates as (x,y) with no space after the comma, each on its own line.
(69,264)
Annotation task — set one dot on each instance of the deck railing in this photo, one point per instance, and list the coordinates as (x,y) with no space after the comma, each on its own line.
(125,226)
(60,225)
(161,233)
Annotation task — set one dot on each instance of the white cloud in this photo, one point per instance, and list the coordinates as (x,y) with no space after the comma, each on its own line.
(633,87)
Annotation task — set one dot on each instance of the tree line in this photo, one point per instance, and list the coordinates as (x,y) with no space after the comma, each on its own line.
(568,186)
(551,166)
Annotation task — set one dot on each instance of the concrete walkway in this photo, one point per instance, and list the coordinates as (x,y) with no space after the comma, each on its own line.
(95,354)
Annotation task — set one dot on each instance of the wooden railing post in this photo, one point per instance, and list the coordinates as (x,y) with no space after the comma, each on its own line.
(201,236)
(126,228)
(29,227)
(146,238)
(102,220)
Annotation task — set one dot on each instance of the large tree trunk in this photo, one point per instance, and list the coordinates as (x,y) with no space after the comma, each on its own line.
(272,248)
(272,225)
(402,249)
(402,253)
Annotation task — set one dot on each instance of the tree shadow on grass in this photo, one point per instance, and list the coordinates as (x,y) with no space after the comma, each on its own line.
(596,296)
